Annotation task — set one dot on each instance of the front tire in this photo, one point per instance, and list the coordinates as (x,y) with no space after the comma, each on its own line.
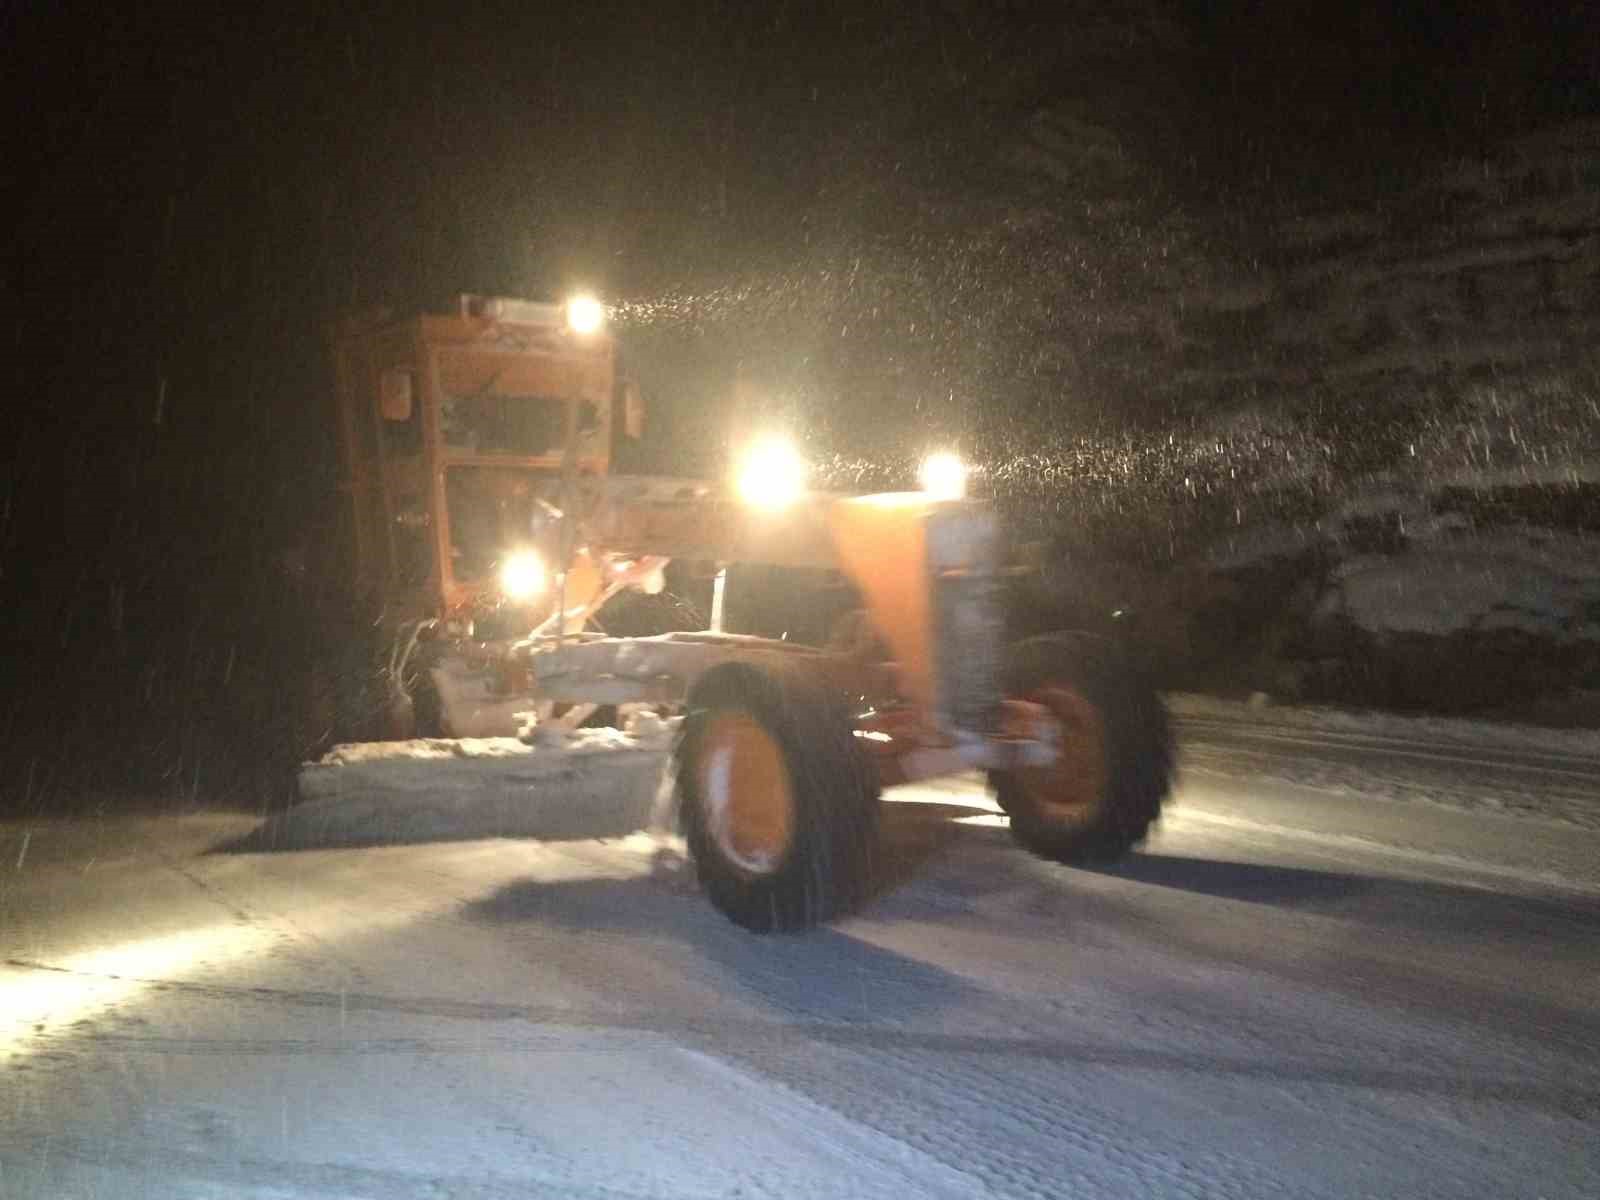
(1114,770)
(778,806)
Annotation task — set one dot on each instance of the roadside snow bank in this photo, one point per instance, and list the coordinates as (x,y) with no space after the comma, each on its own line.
(1451,731)
(1549,776)
(1546,585)
(1398,598)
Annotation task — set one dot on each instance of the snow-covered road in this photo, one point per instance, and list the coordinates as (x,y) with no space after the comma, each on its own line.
(1353,961)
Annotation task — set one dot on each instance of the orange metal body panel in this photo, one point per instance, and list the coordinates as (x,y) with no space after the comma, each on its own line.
(449,356)
(710,527)
(882,545)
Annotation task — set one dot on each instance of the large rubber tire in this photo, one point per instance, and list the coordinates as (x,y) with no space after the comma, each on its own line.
(1100,799)
(818,846)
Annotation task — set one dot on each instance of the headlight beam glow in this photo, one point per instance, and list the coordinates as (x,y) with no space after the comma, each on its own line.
(585,315)
(522,575)
(944,476)
(772,475)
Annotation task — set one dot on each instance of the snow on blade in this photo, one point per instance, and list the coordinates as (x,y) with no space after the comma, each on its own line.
(593,783)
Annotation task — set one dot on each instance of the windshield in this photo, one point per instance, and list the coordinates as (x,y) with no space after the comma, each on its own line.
(490,423)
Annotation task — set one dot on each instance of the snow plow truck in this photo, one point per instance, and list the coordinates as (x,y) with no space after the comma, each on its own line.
(484,524)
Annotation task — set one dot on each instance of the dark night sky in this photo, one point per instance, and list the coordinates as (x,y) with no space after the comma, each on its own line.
(217,178)
(199,193)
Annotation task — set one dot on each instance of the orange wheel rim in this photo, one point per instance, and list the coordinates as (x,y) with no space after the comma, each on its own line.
(1074,786)
(746,793)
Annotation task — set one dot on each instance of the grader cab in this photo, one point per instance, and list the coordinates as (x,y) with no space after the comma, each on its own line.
(487,527)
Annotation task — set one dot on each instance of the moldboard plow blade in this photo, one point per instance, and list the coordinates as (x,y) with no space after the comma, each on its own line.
(593,783)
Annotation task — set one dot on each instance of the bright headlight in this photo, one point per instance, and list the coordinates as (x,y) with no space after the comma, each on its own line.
(772,475)
(944,476)
(585,314)
(522,575)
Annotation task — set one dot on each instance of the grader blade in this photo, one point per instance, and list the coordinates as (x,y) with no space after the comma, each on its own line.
(594,783)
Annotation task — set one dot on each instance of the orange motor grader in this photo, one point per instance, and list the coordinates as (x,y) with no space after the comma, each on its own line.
(486,526)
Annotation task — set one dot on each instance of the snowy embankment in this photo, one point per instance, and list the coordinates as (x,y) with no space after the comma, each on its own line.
(1438,732)
(1541,583)
(1402,597)
(1440,575)
(1527,772)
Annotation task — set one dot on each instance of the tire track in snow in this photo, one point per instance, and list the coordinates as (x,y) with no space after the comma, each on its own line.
(282,1177)
(1566,1100)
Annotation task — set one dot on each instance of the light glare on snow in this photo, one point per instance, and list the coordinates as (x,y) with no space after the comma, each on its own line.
(33,1002)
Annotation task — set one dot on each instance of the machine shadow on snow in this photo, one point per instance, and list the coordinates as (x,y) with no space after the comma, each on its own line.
(831,975)
(823,974)
(912,833)
(916,834)
(913,836)
(1368,899)
(282,834)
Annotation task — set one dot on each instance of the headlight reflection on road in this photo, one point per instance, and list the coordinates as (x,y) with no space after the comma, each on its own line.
(37,999)
(992,820)
(981,809)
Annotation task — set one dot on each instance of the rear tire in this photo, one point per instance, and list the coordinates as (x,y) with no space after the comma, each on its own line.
(1102,795)
(778,806)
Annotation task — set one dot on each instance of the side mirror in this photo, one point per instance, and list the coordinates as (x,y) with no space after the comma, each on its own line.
(395,394)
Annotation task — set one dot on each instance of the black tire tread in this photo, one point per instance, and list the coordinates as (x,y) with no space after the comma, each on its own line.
(1138,746)
(830,867)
